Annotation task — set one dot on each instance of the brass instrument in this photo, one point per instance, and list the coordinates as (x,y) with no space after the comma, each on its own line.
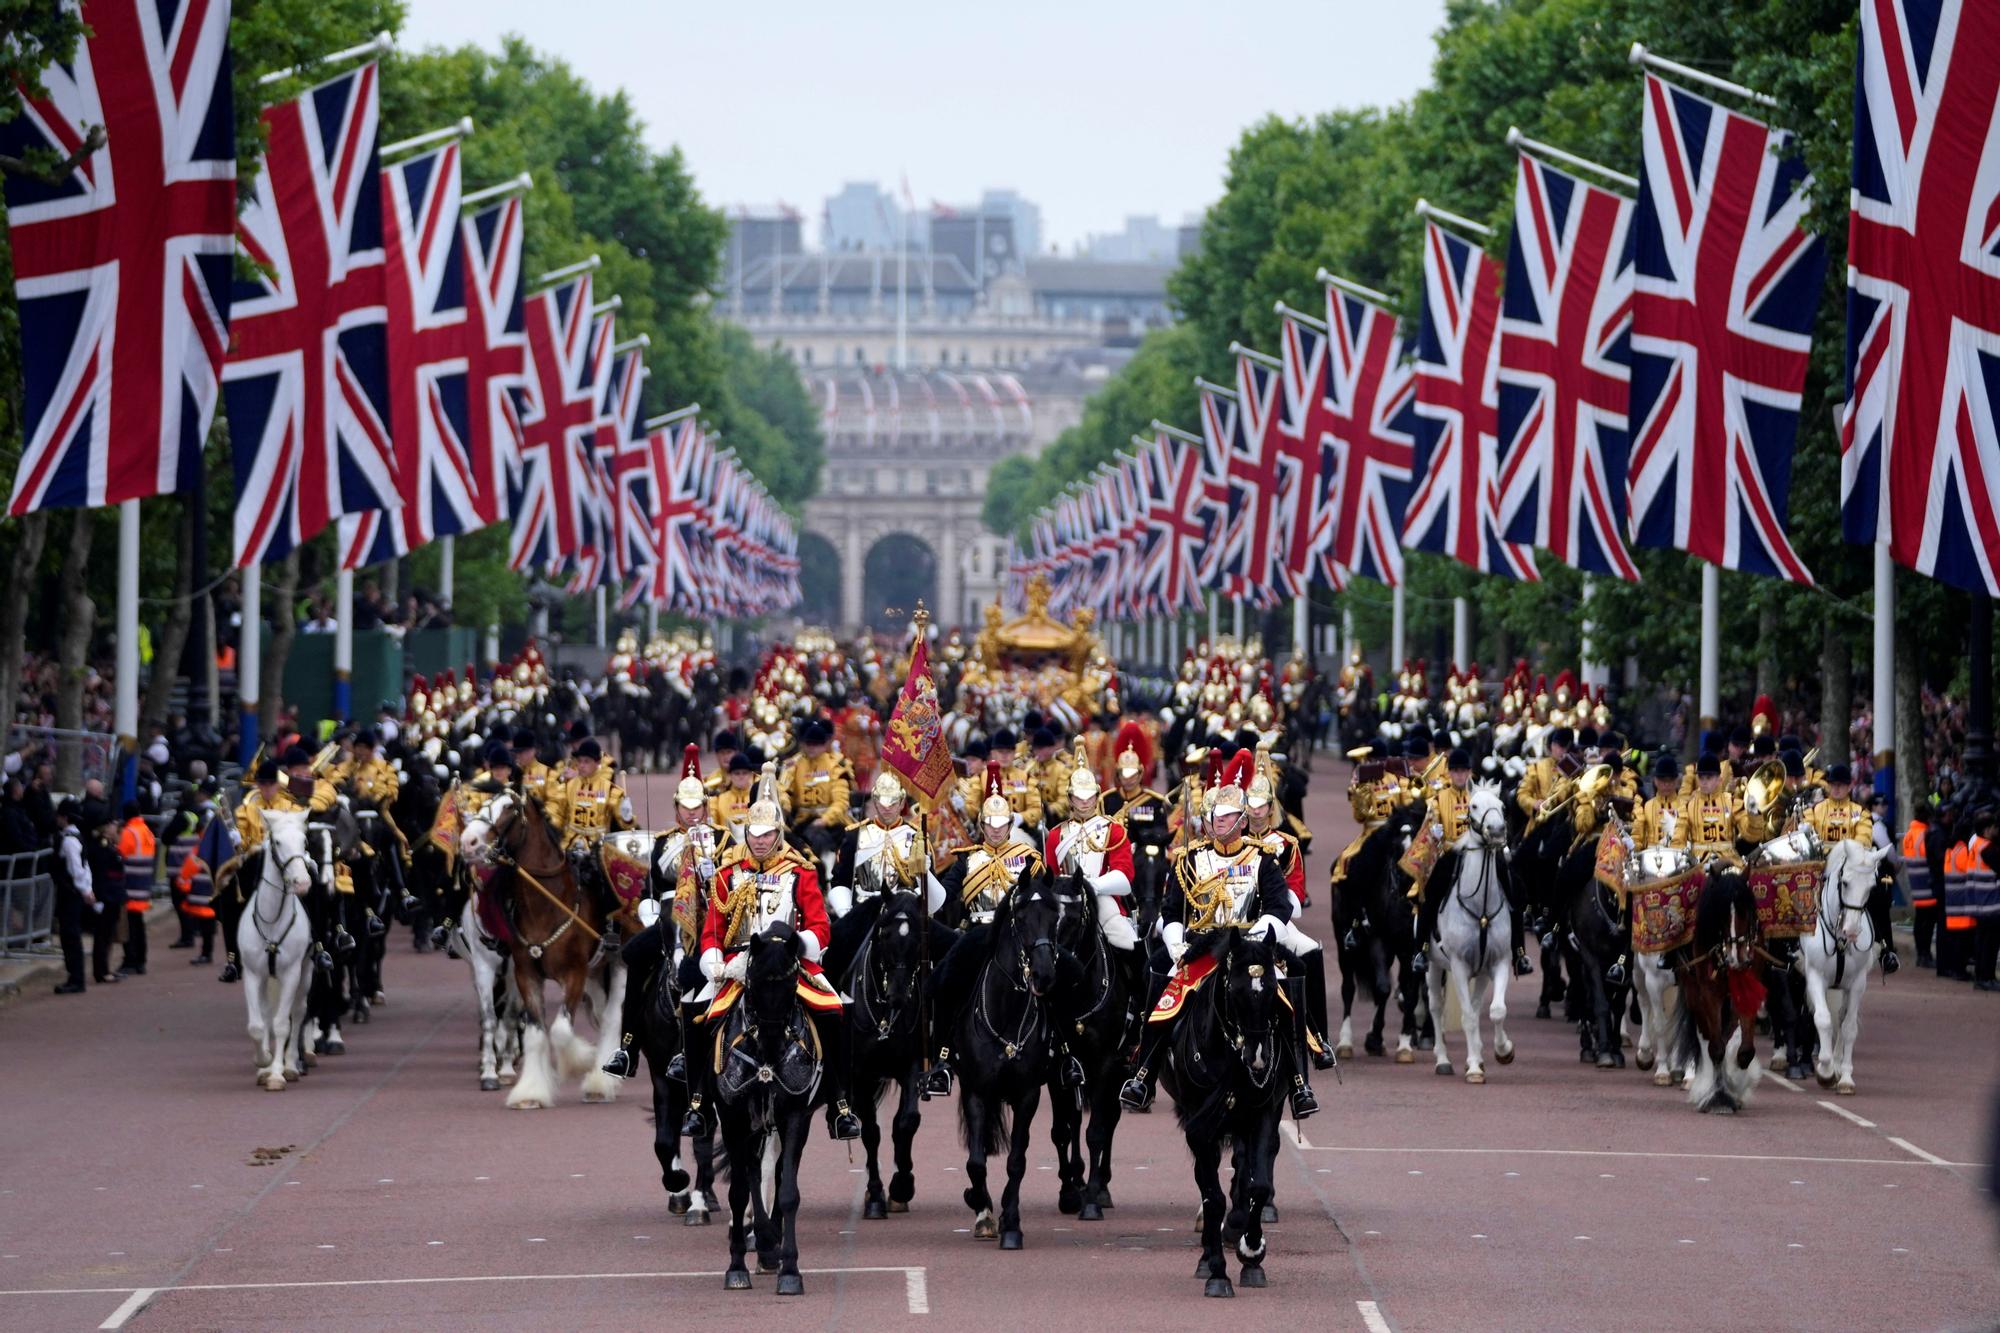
(1588,785)
(1434,768)
(1764,788)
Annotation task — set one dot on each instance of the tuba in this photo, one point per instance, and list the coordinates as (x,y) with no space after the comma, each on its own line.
(1764,790)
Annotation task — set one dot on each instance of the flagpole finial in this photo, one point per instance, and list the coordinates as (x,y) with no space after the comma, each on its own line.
(920,617)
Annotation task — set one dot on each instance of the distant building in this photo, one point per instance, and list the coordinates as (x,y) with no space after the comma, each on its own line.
(1024,217)
(863,217)
(1144,241)
(758,238)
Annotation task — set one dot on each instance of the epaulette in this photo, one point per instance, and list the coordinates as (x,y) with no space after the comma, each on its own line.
(731,854)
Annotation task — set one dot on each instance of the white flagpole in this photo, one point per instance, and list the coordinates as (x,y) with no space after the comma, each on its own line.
(1708,701)
(1587,648)
(1214,618)
(1396,628)
(1301,625)
(1461,633)
(600,615)
(1885,655)
(1346,646)
(343,645)
(249,659)
(447,568)
(125,675)
(1236,619)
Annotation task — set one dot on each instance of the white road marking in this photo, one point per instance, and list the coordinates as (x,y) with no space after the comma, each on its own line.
(1780,1080)
(1846,1114)
(1915,1151)
(1692,1156)
(129,1307)
(1371,1317)
(916,1291)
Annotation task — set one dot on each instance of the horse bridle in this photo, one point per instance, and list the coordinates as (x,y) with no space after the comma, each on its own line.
(284,863)
(1031,1019)
(1064,901)
(874,988)
(517,812)
(1836,942)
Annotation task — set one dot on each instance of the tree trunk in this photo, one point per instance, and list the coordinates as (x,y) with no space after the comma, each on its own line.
(1913,784)
(279,595)
(1836,700)
(34,531)
(1767,649)
(172,641)
(79,619)
(390,581)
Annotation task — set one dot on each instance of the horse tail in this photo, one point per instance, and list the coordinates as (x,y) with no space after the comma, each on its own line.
(993,1130)
(1684,1036)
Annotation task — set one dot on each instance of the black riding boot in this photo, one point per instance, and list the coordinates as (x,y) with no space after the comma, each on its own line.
(701,1080)
(228,915)
(1522,967)
(1878,917)
(451,905)
(1314,964)
(1137,1090)
(841,1122)
(1303,1102)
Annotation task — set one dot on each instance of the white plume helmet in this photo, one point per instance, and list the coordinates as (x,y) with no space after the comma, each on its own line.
(764,815)
(1082,780)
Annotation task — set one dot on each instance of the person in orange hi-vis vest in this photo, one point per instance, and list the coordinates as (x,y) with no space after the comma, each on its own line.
(140,852)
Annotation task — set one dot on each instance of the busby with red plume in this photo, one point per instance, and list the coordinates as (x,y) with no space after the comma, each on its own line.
(1764,717)
(1134,751)
(689,790)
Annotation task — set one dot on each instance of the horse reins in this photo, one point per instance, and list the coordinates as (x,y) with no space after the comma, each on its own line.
(536,950)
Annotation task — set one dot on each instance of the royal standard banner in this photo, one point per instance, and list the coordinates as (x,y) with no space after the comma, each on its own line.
(914,744)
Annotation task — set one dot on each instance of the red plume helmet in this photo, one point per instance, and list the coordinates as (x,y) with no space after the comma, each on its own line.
(1214,774)
(691,761)
(1132,740)
(995,805)
(1240,769)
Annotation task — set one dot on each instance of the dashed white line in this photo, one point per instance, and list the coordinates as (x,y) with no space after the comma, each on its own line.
(1915,1151)
(1781,1081)
(1691,1156)
(1371,1317)
(916,1291)
(1846,1114)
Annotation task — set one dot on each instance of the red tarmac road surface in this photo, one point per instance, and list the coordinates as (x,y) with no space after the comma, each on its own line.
(402,1197)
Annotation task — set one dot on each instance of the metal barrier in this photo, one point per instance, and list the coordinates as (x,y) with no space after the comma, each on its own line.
(27,903)
(96,751)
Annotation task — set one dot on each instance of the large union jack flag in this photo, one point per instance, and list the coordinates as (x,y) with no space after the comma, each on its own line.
(1454,509)
(673,450)
(496,353)
(1366,401)
(307,381)
(1565,369)
(552,509)
(623,455)
(1250,563)
(1920,457)
(1218,434)
(1728,281)
(121,267)
(1181,518)
(595,561)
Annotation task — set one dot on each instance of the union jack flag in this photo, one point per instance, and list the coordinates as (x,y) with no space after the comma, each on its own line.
(1180,517)
(1728,283)
(307,380)
(558,429)
(623,454)
(1565,369)
(1218,431)
(1920,457)
(496,353)
(671,449)
(121,268)
(594,561)
(1251,565)
(1366,401)
(1455,507)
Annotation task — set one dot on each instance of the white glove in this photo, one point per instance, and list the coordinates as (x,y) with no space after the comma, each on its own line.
(711,964)
(1175,936)
(1111,884)
(810,946)
(737,968)
(839,901)
(705,869)
(1267,927)
(649,912)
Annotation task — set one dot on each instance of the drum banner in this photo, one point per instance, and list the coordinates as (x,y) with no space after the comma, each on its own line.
(448,824)
(1663,911)
(1787,897)
(625,872)
(1422,854)
(1611,860)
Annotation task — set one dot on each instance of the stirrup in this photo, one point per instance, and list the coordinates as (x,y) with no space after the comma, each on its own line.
(694,1125)
(938,1082)
(1134,1094)
(1890,963)
(1304,1104)
(230,971)
(377,927)
(844,1124)
(1420,962)
(342,941)
(621,1064)
(441,934)
(1072,1073)
(1522,967)
(677,1068)
(321,958)
(1615,974)
(1350,941)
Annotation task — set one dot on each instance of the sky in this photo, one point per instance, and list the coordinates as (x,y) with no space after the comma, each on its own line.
(1093,109)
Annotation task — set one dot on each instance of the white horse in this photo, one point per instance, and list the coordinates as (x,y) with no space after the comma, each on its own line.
(1836,955)
(1653,982)
(1475,936)
(272,940)
(499,1008)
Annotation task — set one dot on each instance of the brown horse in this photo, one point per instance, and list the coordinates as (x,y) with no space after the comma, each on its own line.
(1721,992)
(556,929)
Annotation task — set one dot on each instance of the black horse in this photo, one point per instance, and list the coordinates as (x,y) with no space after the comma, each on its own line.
(766,1084)
(1007,1044)
(1597,950)
(1230,1069)
(664,1033)
(1376,930)
(1097,992)
(883,972)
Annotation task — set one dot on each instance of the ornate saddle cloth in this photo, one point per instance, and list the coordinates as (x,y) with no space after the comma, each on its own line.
(488,910)
(1787,897)
(814,991)
(1663,911)
(1422,853)
(1186,981)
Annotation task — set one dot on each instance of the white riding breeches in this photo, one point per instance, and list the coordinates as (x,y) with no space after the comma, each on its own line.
(1297,941)
(1118,931)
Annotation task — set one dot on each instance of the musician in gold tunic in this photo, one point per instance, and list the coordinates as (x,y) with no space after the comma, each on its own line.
(1544,773)
(729,804)
(1709,817)
(1839,817)
(534,776)
(814,789)
(585,807)
(1653,824)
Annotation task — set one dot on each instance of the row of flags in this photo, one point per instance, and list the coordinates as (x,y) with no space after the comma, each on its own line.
(386,367)
(1631,378)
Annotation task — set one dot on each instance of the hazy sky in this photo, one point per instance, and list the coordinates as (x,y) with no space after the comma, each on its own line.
(1094,109)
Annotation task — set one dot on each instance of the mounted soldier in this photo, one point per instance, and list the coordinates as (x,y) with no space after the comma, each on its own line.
(814,791)
(1838,817)
(765,882)
(583,808)
(1143,813)
(1090,842)
(1709,817)
(883,854)
(1450,810)
(1264,816)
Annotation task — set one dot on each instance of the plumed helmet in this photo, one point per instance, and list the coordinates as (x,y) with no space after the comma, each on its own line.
(995,805)
(1228,796)
(887,789)
(1135,752)
(764,815)
(1082,781)
(1263,786)
(689,790)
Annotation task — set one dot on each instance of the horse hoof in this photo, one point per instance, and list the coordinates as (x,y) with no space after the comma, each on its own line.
(736,1279)
(1217,1286)
(1090,1212)
(1585,1055)
(1618,1059)
(274,1083)
(1796,1073)
(1663,1078)
(1010,1240)
(766,1265)
(1542,1009)
(902,1189)
(1104,1196)
(1069,1200)
(874,1210)
(1426,1043)
(676,1181)
(1475,1076)
(1253,1275)
(1203,1269)
(1826,1080)
(899,1205)
(1445,1070)
(1643,1060)
(489,1085)
(985,1228)
(1344,1051)
(791,1284)
(1270,1214)
(1779,1060)
(1406,1056)
(697,1217)
(677,1203)
(291,1076)
(1606,1060)
(1844,1088)
(1505,1057)
(1373,1045)
(335,1046)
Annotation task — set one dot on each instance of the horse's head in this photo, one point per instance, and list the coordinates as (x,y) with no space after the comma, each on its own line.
(895,947)
(1247,999)
(1487,814)
(1030,920)
(1851,870)
(772,972)
(479,840)
(285,846)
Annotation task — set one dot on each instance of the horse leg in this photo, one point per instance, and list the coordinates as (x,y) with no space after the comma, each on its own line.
(1207,1154)
(1344,1048)
(1434,984)
(977,1114)
(599,1086)
(903,1131)
(535,1087)
(1406,1006)
(1850,1029)
(742,1174)
(1258,1163)
(1468,1016)
(1824,1067)
(796,1129)
(254,999)
(1065,1129)
(1105,1113)
(1017,1167)
(1378,988)
(874,1202)
(1499,971)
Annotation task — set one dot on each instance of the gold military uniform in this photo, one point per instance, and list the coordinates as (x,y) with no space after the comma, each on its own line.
(1536,785)
(373,781)
(250,819)
(729,810)
(1449,809)
(1052,776)
(1649,821)
(1834,820)
(1024,794)
(1708,823)
(812,786)
(586,808)
(1730,782)
(538,780)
